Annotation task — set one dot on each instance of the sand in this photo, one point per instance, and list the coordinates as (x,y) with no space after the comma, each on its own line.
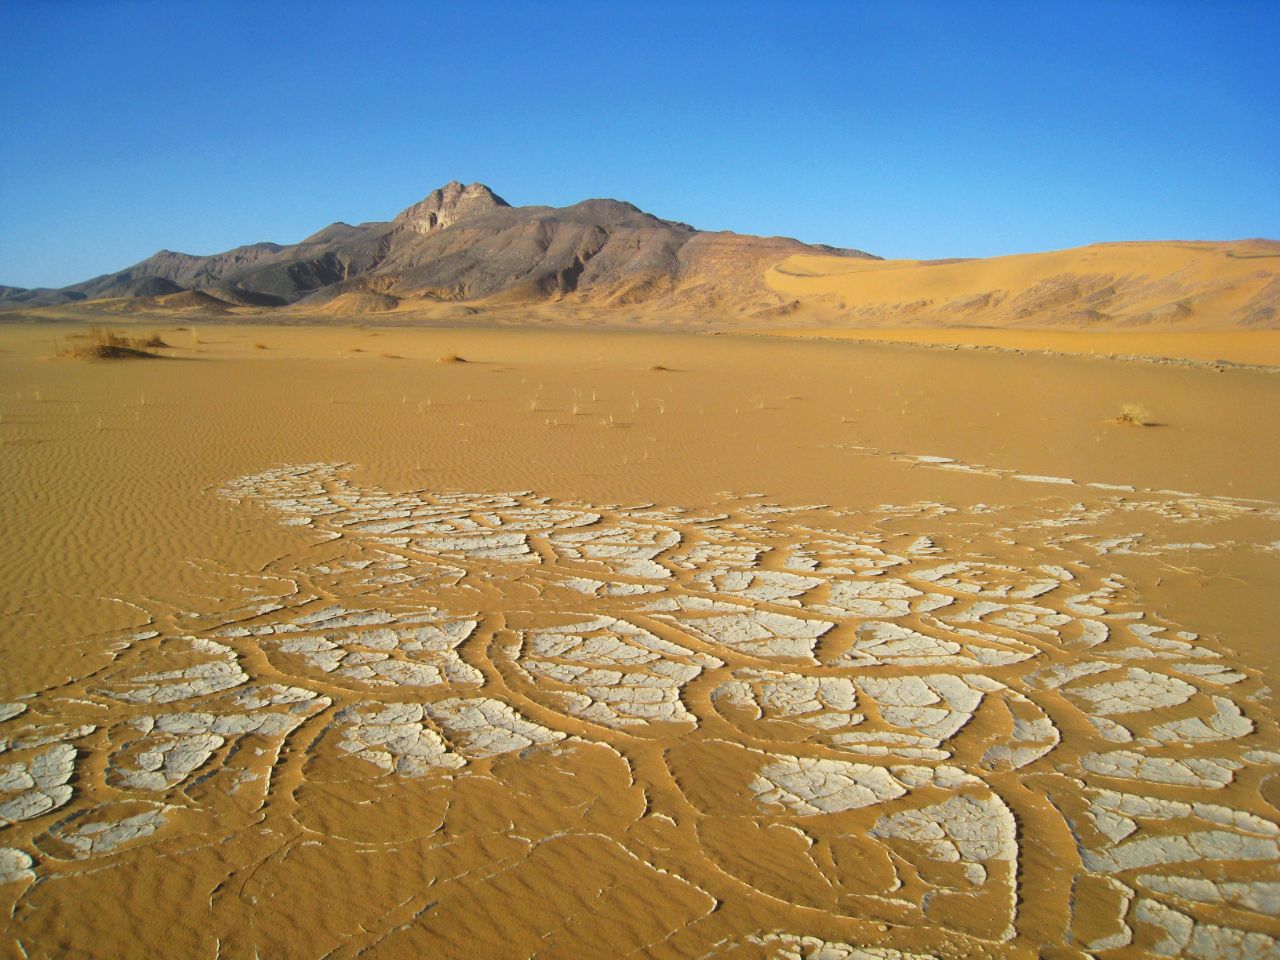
(320,646)
(1152,287)
(1240,347)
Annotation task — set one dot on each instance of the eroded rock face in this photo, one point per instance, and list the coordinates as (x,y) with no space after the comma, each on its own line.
(743,705)
(446,206)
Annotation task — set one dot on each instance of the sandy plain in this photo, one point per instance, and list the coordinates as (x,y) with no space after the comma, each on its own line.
(634,644)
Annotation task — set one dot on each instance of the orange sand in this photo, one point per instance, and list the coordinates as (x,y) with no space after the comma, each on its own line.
(658,839)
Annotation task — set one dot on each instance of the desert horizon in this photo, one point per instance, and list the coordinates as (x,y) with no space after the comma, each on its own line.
(464,255)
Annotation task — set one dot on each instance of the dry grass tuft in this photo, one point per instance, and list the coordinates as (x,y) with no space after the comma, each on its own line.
(659,368)
(101,343)
(1134,415)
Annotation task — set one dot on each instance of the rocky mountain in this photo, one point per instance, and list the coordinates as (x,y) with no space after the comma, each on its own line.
(453,202)
(466,244)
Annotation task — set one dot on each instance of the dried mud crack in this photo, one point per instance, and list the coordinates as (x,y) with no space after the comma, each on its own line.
(743,730)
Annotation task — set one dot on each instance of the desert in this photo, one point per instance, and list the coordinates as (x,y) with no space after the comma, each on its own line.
(565,561)
(366,598)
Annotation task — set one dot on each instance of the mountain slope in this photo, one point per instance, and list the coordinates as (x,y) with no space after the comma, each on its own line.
(464,243)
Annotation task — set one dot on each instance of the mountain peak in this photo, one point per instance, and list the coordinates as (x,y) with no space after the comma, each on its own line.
(449,204)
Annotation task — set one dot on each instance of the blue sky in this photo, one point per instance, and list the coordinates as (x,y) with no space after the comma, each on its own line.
(906,129)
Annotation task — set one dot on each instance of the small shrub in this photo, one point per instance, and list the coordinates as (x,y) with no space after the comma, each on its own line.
(102,343)
(1134,415)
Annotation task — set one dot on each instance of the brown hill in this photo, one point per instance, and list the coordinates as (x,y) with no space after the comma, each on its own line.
(193,300)
(464,243)
(357,303)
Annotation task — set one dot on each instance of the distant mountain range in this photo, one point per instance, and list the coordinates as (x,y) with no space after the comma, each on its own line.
(464,252)
(460,243)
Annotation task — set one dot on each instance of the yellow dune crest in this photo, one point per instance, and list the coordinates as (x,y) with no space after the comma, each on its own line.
(1184,285)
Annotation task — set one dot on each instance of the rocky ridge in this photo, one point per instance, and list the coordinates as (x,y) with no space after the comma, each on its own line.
(460,244)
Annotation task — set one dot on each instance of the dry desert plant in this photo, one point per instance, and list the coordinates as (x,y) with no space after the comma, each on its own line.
(102,343)
(1134,415)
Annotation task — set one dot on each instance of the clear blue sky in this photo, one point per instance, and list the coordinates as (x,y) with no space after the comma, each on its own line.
(906,129)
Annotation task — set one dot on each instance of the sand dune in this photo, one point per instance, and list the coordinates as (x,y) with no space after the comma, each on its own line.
(1217,347)
(1174,286)
(356,303)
